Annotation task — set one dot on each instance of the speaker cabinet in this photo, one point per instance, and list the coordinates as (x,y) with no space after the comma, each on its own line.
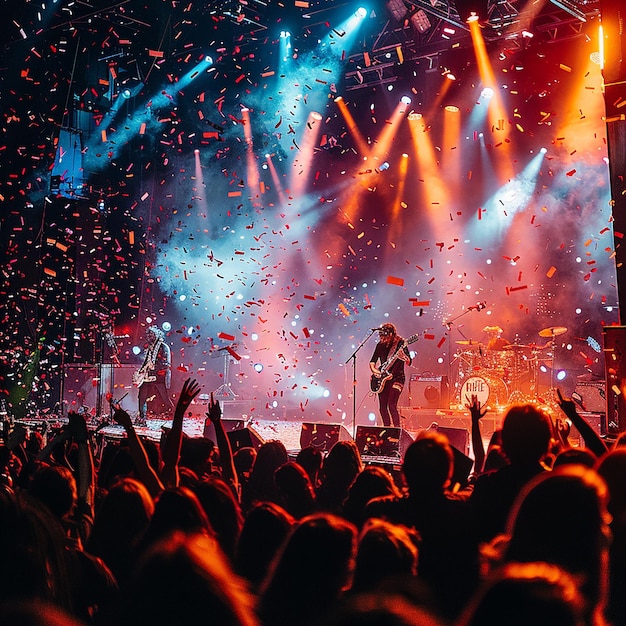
(429,392)
(244,438)
(382,443)
(615,365)
(592,396)
(322,436)
(458,437)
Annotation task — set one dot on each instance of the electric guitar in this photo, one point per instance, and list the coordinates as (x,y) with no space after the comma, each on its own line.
(141,376)
(377,382)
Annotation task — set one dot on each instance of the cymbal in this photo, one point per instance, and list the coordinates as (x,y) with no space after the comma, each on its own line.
(516,346)
(468,342)
(552,331)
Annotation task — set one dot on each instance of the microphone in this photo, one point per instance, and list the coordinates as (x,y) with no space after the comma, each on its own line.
(379,328)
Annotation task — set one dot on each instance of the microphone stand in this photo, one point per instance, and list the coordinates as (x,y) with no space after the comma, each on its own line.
(352,358)
(448,324)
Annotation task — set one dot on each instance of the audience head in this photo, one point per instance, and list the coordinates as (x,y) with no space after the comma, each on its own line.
(311,571)
(265,528)
(310,459)
(612,468)
(520,594)
(560,517)
(428,463)
(526,434)
(295,491)
(55,487)
(385,551)
(201,588)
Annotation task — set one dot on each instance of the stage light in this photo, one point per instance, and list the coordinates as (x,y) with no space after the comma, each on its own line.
(561,375)
(166,326)
(196,151)
(126,93)
(450,76)
(372,417)
(452,109)
(136,350)
(473,17)
(284,34)
(414,116)
(208,60)
(486,93)
(543,150)
(316,116)
(258,367)
(543,368)
(405,100)
(361,12)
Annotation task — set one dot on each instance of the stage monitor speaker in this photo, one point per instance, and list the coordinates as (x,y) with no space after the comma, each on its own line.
(229,426)
(384,443)
(244,438)
(458,437)
(322,436)
(429,392)
(459,441)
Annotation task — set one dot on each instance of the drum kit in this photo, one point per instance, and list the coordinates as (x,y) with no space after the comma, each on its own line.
(501,377)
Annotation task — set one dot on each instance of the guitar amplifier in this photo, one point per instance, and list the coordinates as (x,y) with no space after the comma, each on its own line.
(429,392)
(593,396)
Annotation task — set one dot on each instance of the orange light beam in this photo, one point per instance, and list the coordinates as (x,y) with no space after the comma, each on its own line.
(252,167)
(304,159)
(352,127)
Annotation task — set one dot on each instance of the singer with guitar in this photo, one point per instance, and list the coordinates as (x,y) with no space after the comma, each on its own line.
(387,366)
(154,377)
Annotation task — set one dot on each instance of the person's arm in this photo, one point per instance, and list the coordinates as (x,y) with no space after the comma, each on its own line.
(590,436)
(145,472)
(229,474)
(477,413)
(85,475)
(173,442)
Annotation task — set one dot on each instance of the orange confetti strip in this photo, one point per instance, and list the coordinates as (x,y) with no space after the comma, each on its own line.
(234,194)
(394,280)
(309,297)
(49,272)
(551,272)
(157,54)
(226,336)
(342,308)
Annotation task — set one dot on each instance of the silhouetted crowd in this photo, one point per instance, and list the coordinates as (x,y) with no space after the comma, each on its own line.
(129,531)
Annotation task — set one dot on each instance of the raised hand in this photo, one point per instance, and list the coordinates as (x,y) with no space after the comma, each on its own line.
(568,406)
(474,407)
(189,391)
(215,411)
(122,418)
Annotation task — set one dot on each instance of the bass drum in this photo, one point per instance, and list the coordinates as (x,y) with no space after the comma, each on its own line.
(489,390)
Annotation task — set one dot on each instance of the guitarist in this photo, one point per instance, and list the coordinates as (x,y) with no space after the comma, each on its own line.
(154,377)
(390,345)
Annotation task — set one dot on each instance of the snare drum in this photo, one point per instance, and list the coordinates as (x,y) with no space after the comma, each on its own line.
(488,389)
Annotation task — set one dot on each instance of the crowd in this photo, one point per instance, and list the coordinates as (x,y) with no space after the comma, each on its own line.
(185,532)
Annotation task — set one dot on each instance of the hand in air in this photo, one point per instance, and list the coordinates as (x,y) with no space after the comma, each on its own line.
(215,411)
(568,406)
(189,391)
(475,407)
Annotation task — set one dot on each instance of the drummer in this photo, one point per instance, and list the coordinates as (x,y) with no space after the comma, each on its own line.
(495,340)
